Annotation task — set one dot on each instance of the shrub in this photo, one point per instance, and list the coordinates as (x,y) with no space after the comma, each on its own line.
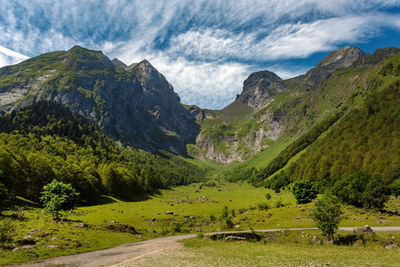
(58,197)
(327,214)
(263,206)
(228,223)
(225,212)
(304,192)
(395,188)
(279,203)
(3,196)
(6,230)
(268,196)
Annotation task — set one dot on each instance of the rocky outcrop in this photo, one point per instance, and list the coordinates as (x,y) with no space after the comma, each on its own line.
(260,87)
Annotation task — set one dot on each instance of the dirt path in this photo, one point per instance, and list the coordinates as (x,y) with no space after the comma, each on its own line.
(126,255)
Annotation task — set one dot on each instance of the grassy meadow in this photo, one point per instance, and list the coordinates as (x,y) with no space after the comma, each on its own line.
(195,207)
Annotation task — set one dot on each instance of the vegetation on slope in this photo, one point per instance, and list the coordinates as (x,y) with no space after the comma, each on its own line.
(46,141)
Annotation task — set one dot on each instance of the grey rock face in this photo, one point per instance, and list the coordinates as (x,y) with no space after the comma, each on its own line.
(259,87)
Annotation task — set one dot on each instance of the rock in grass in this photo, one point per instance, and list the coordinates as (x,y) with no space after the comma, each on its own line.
(235,238)
(27,240)
(52,246)
(33,231)
(364,229)
(169,212)
(82,225)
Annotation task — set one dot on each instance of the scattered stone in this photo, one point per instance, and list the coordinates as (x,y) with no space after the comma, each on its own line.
(82,225)
(203,198)
(27,240)
(44,234)
(197,191)
(315,239)
(230,200)
(33,231)
(237,226)
(391,246)
(114,221)
(15,249)
(231,237)
(296,218)
(364,229)
(198,229)
(171,205)
(54,238)
(77,243)
(176,214)
(67,238)
(366,218)
(298,206)
(302,210)
(29,246)
(169,213)
(52,246)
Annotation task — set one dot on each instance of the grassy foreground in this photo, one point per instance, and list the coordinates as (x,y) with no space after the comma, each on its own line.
(195,207)
(294,249)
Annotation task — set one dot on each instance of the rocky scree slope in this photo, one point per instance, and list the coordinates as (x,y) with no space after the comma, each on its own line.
(135,104)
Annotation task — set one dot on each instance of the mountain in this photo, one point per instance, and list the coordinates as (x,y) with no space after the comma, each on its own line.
(134,104)
(271,112)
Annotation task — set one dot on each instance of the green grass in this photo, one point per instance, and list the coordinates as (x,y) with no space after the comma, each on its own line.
(182,200)
(280,249)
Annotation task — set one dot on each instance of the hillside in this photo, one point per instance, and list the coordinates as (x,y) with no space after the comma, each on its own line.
(271,111)
(46,141)
(135,105)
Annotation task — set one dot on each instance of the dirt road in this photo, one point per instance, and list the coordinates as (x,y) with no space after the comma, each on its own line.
(127,254)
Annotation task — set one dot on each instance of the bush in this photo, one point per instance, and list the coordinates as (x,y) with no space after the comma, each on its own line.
(58,197)
(225,212)
(263,206)
(6,230)
(3,196)
(327,214)
(279,203)
(395,188)
(304,192)
(268,196)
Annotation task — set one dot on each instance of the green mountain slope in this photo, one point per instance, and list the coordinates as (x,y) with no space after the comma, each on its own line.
(46,141)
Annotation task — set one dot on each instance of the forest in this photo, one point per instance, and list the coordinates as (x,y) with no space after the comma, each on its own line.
(47,141)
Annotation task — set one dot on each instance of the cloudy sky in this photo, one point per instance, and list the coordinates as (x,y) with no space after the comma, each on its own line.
(205,48)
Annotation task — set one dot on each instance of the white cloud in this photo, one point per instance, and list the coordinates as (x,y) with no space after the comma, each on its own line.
(9,57)
(206,48)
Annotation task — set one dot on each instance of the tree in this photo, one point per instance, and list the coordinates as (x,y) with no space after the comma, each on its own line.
(395,188)
(58,197)
(304,192)
(3,195)
(327,214)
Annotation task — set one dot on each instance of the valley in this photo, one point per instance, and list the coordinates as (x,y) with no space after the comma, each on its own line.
(142,165)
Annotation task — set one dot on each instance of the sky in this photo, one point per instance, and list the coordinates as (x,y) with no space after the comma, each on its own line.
(205,49)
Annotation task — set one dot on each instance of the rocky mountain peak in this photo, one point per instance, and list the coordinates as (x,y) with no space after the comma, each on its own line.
(342,57)
(259,87)
(119,63)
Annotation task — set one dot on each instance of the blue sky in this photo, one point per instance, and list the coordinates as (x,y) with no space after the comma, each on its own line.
(205,48)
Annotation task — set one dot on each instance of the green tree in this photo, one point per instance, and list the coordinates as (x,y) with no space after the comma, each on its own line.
(327,214)
(304,192)
(58,197)
(3,196)
(395,188)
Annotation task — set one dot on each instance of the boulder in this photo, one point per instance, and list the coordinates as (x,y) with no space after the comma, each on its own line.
(198,229)
(233,238)
(169,212)
(33,231)
(82,225)
(364,229)
(27,240)
(52,246)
